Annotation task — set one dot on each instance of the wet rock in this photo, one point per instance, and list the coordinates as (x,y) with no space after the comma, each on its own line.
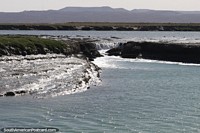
(130,51)
(114,51)
(87,28)
(24,53)
(4,52)
(89,50)
(20,92)
(9,94)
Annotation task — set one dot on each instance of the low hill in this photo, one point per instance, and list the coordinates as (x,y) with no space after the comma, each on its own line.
(100,14)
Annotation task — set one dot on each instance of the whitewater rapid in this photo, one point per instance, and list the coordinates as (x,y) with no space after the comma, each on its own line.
(53,75)
(46,75)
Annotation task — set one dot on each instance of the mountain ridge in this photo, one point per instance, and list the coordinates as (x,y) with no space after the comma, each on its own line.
(100,14)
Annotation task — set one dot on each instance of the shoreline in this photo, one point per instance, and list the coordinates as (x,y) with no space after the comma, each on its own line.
(103,26)
(46,75)
(83,51)
(46,67)
(163,51)
(33,45)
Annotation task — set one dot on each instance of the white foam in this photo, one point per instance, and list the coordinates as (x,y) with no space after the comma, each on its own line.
(105,62)
(161,62)
(113,62)
(165,39)
(47,75)
(2,70)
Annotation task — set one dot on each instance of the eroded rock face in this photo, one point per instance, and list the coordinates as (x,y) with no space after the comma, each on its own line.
(89,50)
(188,53)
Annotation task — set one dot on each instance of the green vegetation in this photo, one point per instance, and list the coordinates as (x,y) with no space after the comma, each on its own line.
(26,45)
(106,26)
(29,45)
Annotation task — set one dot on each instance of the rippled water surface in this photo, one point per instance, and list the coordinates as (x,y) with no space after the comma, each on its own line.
(149,97)
(118,35)
(135,96)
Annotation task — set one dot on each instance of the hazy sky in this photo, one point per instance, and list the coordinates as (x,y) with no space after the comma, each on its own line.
(21,5)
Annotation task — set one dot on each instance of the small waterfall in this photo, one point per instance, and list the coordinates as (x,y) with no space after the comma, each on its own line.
(106,45)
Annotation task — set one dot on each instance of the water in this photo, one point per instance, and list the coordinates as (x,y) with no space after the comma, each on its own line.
(46,75)
(116,35)
(135,96)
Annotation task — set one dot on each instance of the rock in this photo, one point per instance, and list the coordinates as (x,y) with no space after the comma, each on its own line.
(24,53)
(114,51)
(4,52)
(9,94)
(124,29)
(20,92)
(187,53)
(103,28)
(89,50)
(129,50)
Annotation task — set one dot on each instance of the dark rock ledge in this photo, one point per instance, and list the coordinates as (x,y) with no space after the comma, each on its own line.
(13,93)
(175,52)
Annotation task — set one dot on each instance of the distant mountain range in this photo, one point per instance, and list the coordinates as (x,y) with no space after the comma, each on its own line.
(100,14)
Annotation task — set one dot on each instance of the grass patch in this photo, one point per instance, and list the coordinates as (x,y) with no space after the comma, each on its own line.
(26,45)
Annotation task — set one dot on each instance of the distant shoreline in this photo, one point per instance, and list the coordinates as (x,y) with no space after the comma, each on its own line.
(103,26)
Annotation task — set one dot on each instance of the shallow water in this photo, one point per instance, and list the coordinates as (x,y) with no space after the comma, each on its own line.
(46,75)
(135,96)
(150,97)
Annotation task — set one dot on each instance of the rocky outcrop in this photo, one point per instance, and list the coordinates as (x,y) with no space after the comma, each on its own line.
(31,45)
(9,94)
(187,53)
(13,93)
(79,73)
(89,50)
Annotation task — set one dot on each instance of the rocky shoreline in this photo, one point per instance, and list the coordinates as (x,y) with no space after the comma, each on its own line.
(34,45)
(46,75)
(105,26)
(46,67)
(165,51)
(50,64)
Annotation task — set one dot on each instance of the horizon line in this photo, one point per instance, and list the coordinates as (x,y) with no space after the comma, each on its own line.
(101,7)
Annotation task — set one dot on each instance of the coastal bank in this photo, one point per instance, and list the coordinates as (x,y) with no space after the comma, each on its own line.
(165,51)
(103,26)
(46,67)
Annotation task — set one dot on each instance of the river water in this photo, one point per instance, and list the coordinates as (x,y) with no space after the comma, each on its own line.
(135,95)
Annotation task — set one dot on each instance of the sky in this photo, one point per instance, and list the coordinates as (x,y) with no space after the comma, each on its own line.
(21,5)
